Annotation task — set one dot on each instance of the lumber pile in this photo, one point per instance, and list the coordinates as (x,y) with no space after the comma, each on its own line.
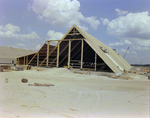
(121,77)
(38,84)
(1,69)
(19,68)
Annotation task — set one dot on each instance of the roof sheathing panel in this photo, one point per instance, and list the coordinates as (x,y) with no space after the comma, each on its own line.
(113,60)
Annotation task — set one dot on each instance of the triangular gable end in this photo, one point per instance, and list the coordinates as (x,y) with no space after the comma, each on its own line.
(102,53)
(82,47)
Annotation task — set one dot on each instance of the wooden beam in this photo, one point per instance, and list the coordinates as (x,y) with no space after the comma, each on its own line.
(69,53)
(74,34)
(17,61)
(82,54)
(32,58)
(86,47)
(38,59)
(24,60)
(49,54)
(47,57)
(67,39)
(57,45)
(36,53)
(58,54)
(95,60)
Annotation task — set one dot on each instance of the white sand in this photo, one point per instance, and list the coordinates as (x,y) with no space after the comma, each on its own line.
(73,96)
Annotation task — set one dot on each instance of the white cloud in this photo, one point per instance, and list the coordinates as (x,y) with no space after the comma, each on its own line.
(121,12)
(37,47)
(134,52)
(52,35)
(62,13)
(93,22)
(1,28)
(133,25)
(30,36)
(127,42)
(20,45)
(105,21)
(142,43)
(116,44)
(132,29)
(11,31)
(140,48)
(129,52)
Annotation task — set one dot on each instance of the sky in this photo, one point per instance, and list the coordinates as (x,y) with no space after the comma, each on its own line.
(120,24)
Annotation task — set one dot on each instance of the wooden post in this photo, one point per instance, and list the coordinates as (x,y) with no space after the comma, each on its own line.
(27,60)
(38,59)
(58,54)
(24,60)
(18,61)
(95,60)
(47,58)
(69,53)
(82,54)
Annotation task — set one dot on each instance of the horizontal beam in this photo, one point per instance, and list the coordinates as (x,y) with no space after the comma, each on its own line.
(66,39)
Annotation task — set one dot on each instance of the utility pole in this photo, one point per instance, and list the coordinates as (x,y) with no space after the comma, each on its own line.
(126,52)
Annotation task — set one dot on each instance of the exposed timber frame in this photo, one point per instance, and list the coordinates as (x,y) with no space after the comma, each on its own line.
(76,49)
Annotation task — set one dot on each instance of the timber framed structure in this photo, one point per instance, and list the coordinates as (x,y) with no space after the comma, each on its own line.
(77,49)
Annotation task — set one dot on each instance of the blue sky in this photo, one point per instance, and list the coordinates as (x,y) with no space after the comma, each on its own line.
(119,24)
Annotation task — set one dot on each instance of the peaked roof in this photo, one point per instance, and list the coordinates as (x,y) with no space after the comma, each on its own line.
(10,52)
(113,59)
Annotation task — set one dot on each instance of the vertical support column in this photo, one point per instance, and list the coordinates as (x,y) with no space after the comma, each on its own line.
(95,60)
(24,60)
(38,59)
(82,53)
(47,58)
(27,60)
(18,61)
(58,54)
(69,53)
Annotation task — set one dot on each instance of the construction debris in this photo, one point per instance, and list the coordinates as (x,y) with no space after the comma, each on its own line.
(1,69)
(6,80)
(87,73)
(28,67)
(145,69)
(34,106)
(19,68)
(121,77)
(5,66)
(38,84)
(24,80)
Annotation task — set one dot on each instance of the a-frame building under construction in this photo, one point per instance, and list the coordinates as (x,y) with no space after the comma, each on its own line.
(77,49)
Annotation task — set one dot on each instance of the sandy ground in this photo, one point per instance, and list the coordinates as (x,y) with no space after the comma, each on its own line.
(73,96)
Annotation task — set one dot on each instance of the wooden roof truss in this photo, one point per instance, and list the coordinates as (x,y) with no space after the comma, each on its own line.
(77,49)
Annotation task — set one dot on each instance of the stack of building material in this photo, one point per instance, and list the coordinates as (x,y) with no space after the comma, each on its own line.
(145,69)
(1,69)
(19,68)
